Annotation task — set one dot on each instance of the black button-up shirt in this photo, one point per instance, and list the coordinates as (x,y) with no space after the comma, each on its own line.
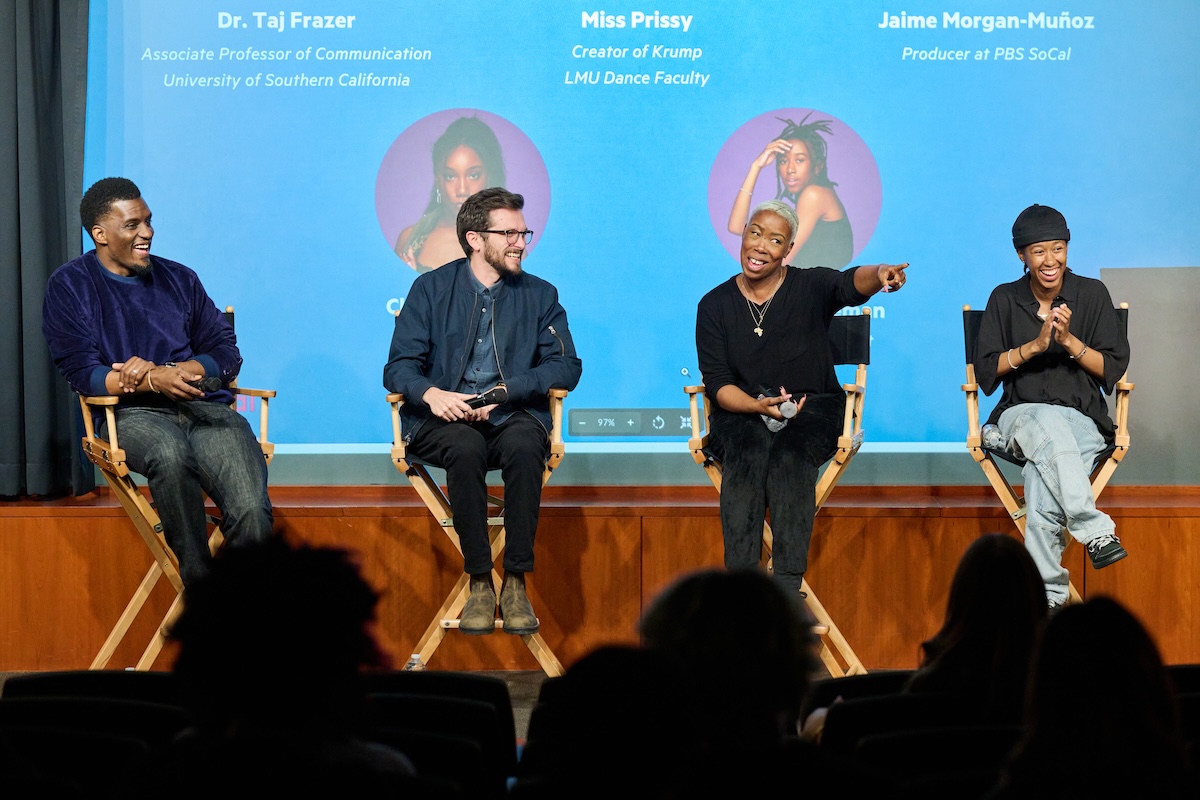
(1011,319)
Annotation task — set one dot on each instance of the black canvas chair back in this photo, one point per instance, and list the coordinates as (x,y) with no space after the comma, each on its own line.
(443,683)
(1186,677)
(458,762)
(850,721)
(850,339)
(152,686)
(823,692)
(67,762)
(448,716)
(154,723)
(929,752)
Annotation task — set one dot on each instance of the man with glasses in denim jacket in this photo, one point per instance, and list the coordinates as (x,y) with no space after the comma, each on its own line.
(476,349)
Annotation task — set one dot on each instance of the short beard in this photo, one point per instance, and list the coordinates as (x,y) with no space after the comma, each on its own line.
(499,263)
(141,270)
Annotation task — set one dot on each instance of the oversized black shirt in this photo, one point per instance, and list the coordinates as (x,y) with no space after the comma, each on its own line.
(1011,319)
(793,351)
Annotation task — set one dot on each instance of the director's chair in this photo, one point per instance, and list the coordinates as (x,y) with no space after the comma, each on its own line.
(110,458)
(850,341)
(1104,466)
(438,503)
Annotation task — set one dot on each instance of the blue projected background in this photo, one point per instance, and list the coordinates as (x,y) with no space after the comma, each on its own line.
(282,154)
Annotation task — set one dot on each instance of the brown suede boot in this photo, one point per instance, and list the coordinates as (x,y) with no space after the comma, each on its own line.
(515,607)
(479,614)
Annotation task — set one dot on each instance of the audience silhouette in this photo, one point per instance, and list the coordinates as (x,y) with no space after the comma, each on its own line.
(1101,718)
(994,614)
(747,654)
(981,654)
(271,647)
(275,640)
(619,722)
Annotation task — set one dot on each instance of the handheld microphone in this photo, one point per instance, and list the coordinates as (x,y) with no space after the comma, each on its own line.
(787,408)
(210,384)
(497,394)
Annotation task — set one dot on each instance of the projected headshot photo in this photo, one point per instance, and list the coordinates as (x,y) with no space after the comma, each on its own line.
(813,162)
(440,161)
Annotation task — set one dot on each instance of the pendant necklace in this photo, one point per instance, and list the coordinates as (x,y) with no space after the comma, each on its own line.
(757,312)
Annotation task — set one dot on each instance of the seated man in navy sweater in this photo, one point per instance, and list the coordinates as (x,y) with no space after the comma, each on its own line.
(122,322)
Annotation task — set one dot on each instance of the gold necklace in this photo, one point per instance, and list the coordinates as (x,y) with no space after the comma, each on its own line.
(757,314)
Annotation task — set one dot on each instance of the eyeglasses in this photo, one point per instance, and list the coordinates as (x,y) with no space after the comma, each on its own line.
(512,235)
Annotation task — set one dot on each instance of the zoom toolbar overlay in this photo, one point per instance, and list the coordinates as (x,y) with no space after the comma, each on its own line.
(629,422)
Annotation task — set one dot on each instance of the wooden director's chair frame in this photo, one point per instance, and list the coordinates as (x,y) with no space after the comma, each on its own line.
(854,334)
(110,458)
(1106,461)
(438,503)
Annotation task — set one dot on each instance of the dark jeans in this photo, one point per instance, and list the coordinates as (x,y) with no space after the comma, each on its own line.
(518,448)
(184,452)
(777,471)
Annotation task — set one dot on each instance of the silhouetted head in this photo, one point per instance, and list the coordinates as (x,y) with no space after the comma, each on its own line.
(996,596)
(1097,670)
(1099,688)
(619,713)
(994,614)
(747,647)
(276,635)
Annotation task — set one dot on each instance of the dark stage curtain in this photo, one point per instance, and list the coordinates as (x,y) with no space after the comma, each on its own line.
(43,77)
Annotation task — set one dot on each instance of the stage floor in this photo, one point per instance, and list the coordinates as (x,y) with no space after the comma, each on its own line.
(881,562)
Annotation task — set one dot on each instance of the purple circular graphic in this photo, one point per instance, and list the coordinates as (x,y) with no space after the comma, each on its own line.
(405,185)
(850,165)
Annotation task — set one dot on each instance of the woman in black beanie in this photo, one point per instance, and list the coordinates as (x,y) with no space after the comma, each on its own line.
(1054,341)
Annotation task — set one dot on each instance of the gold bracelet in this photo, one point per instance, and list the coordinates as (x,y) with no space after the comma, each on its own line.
(1081,352)
(1008,354)
(748,194)
(150,383)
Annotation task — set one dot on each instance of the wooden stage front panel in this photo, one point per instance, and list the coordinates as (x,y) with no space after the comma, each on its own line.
(881,562)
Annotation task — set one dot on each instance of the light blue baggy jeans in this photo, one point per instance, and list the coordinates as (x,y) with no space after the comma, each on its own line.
(1060,445)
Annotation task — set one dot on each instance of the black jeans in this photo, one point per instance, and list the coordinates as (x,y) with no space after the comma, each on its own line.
(518,448)
(764,471)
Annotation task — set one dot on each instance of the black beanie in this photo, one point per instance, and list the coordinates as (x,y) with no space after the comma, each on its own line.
(1039,224)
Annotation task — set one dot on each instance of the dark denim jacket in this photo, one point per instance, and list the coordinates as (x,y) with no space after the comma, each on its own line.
(431,344)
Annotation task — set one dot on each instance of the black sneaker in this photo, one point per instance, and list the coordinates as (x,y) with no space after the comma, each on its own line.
(1105,549)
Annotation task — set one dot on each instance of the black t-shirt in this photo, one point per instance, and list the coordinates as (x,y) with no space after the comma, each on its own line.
(793,351)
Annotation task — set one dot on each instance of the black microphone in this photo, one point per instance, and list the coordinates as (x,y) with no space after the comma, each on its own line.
(497,394)
(209,384)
